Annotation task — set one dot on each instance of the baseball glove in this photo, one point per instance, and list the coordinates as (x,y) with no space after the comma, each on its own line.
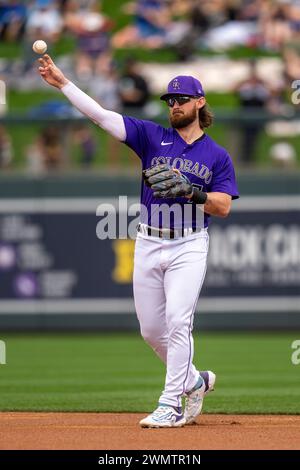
(167,182)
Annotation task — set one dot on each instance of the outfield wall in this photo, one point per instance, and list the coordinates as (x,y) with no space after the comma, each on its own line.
(56,274)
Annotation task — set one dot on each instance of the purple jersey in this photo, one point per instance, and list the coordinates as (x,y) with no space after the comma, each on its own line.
(207,165)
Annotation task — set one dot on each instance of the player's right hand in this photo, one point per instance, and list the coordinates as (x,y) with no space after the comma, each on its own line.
(50,73)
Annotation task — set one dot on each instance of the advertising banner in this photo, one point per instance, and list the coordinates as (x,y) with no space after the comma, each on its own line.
(51,259)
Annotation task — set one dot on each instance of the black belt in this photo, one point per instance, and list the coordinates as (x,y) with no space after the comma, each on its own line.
(166,233)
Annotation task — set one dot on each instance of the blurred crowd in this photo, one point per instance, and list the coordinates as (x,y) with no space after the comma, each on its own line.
(187,27)
(216,24)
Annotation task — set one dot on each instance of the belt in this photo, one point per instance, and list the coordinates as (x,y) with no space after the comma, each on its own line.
(165,232)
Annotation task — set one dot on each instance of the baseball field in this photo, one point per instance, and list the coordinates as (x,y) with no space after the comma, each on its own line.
(88,391)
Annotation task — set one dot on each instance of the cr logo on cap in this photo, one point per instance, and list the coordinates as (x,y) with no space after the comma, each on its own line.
(176,84)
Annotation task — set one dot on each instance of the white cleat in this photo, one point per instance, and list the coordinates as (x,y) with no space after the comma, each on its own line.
(194,399)
(164,417)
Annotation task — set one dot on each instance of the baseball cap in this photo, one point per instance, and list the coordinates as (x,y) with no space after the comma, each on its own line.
(184,85)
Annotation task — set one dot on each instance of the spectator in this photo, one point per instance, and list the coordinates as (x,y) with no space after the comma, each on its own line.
(104,85)
(63,4)
(254,96)
(279,24)
(151,21)
(12,20)
(91,30)
(84,138)
(222,24)
(6,151)
(275,27)
(211,23)
(104,88)
(46,153)
(133,88)
(291,50)
(291,57)
(224,28)
(44,22)
(199,23)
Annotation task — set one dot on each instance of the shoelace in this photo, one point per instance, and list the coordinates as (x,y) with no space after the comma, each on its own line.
(161,410)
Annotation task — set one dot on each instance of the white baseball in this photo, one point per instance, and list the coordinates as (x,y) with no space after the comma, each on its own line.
(39,47)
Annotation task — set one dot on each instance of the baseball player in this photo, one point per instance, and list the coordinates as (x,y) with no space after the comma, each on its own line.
(184,171)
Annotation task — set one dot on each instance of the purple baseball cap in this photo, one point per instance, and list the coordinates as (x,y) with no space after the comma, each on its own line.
(184,85)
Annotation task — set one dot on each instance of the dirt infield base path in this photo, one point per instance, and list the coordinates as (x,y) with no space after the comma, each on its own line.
(111,431)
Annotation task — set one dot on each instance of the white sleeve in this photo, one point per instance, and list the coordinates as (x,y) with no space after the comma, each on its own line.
(110,121)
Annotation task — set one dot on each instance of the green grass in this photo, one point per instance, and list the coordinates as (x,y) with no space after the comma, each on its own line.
(119,372)
(226,135)
(23,136)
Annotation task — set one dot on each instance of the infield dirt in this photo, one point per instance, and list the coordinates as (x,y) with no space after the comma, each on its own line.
(110,431)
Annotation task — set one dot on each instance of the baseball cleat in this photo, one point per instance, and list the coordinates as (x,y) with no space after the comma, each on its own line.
(194,398)
(164,416)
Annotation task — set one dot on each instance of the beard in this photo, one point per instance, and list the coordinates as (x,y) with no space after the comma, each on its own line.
(180,120)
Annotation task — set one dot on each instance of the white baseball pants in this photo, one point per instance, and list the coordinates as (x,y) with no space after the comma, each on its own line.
(168,276)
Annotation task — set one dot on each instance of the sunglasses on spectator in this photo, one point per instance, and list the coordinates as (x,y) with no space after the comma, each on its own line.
(180,100)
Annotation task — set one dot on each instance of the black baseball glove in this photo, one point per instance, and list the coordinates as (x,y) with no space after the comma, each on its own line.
(167,182)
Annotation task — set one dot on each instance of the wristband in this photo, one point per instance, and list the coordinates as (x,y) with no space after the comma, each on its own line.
(198,197)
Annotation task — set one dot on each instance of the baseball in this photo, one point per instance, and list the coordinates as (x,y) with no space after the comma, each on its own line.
(39,47)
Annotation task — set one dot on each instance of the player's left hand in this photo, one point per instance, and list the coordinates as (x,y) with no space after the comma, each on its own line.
(167,182)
